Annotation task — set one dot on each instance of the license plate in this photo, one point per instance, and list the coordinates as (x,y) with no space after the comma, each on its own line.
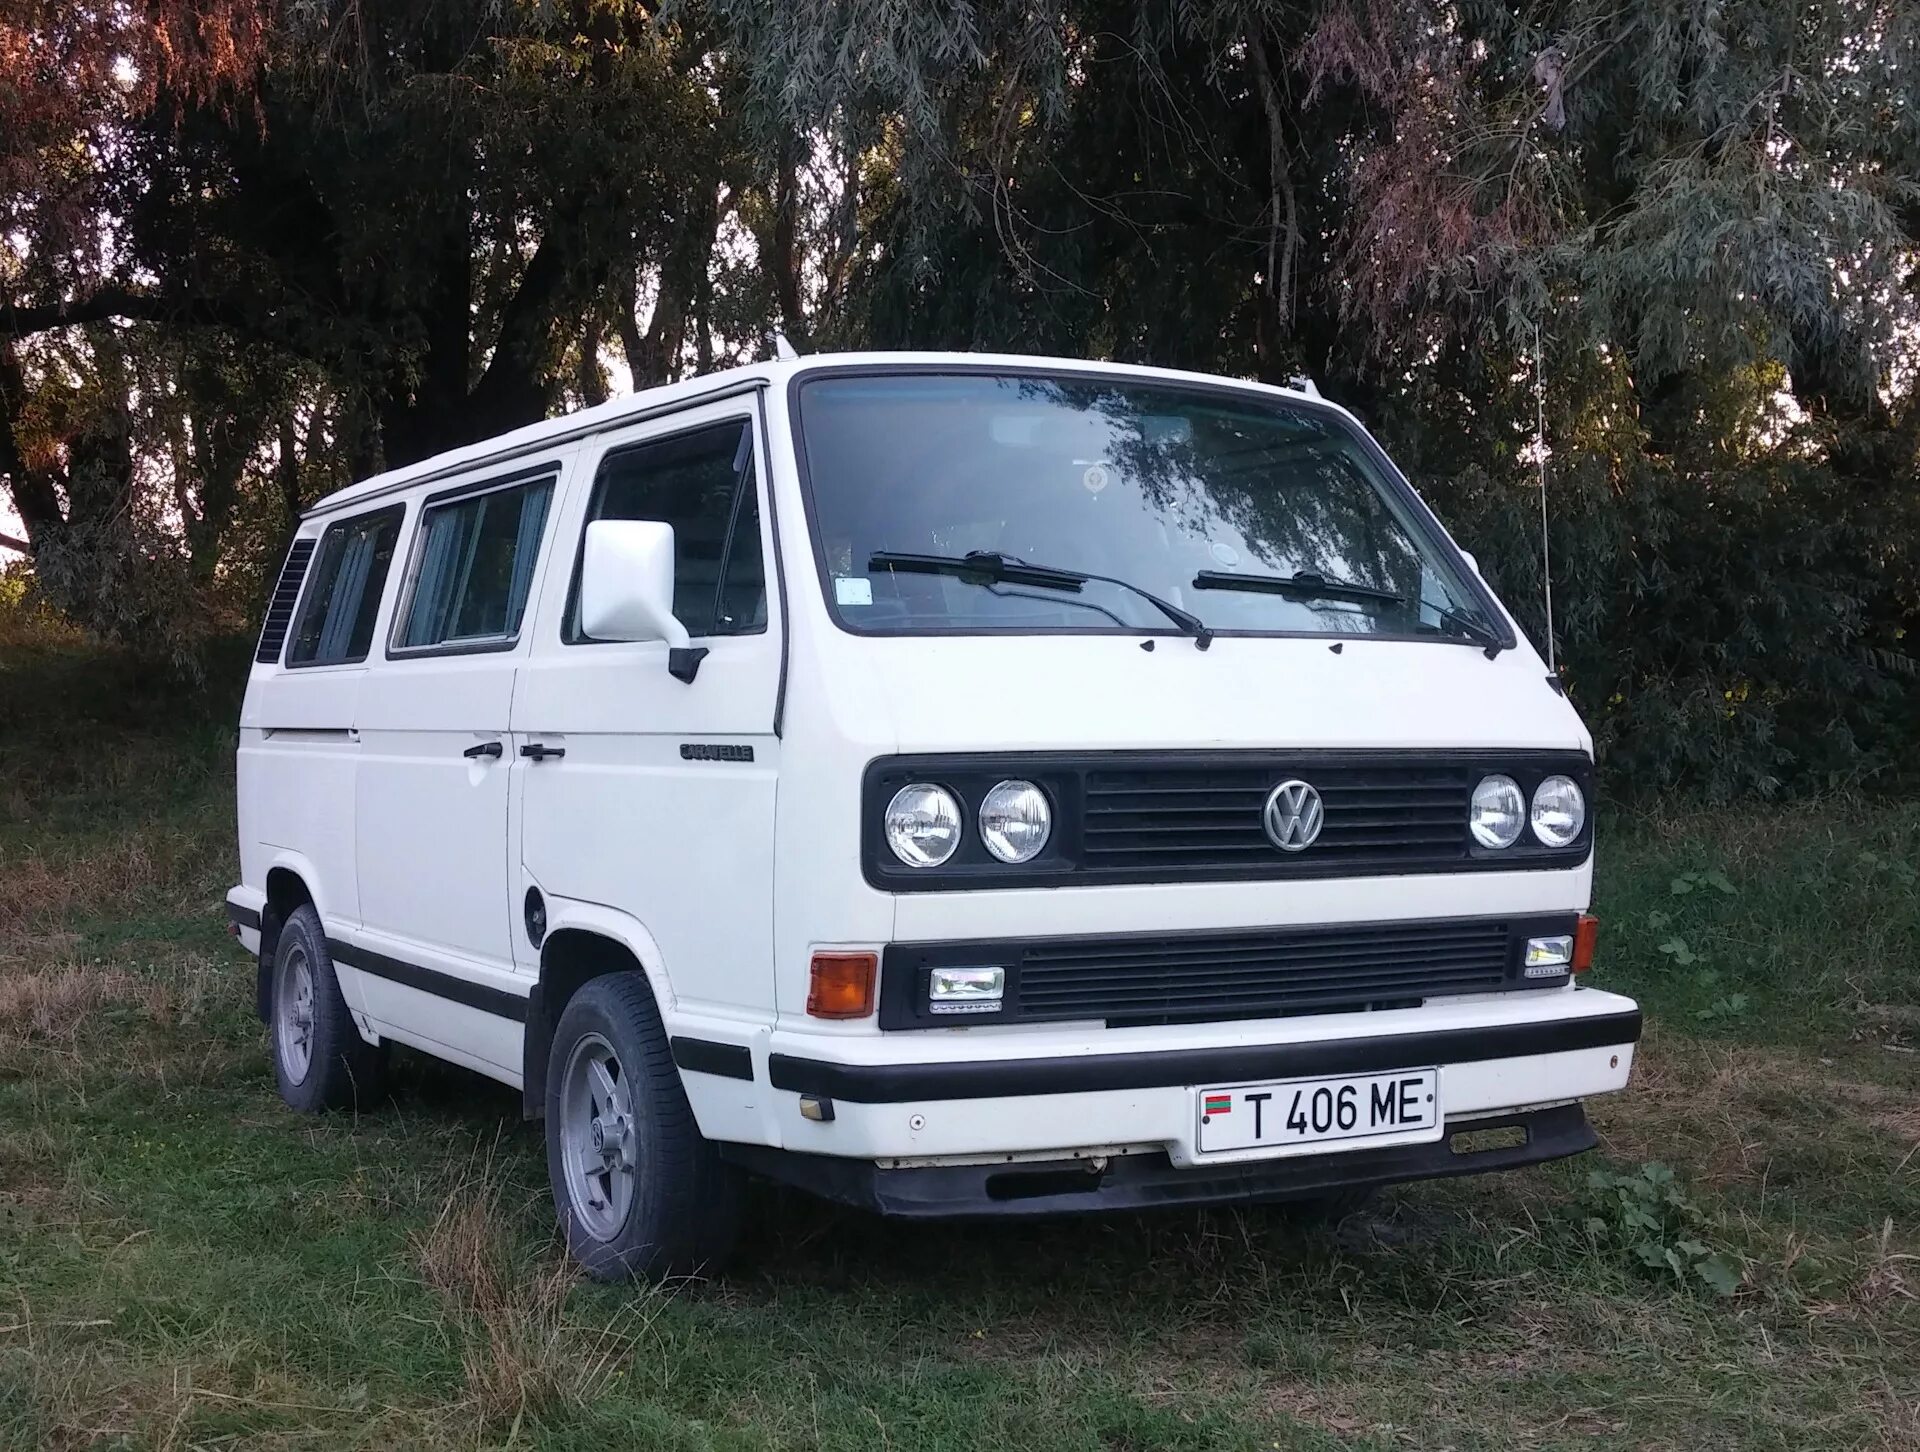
(1315,1111)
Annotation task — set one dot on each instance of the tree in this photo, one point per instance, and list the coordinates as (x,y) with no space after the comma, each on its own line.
(77,77)
(424,213)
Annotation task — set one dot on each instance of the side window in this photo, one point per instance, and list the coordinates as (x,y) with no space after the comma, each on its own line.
(343,590)
(702,483)
(475,566)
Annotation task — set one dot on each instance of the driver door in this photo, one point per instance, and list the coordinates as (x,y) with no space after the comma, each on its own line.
(661,806)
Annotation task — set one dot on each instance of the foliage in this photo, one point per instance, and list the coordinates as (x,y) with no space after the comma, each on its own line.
(249,252)
(1649,1215)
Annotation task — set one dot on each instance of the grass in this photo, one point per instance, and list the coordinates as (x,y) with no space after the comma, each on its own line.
(186,1263)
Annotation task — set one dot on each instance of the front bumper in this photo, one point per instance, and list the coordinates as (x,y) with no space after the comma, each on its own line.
(1079,1093)
(1143,1181)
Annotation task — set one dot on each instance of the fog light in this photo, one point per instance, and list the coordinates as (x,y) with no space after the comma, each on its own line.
(1549,957)
(966,990)
(816,1107)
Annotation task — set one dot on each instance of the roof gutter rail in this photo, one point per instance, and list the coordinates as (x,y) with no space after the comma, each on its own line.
(545,443)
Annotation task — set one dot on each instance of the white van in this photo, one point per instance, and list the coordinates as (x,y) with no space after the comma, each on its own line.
(957,785)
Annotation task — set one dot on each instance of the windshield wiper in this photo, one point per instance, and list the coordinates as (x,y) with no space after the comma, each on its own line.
(1311,585)
(1302,585)
(1474,631)
(989,567)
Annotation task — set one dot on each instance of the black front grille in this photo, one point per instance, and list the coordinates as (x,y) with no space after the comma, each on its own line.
(1257,973)
(1380,816)
(1199,816)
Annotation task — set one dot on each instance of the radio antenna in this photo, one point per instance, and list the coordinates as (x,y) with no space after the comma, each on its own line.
(1540,458)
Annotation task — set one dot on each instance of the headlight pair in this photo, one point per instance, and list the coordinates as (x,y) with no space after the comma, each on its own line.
(1499,810)
(924,823)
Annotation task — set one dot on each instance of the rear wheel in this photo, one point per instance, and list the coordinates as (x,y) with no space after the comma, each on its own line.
(319,1059)
(639,1192)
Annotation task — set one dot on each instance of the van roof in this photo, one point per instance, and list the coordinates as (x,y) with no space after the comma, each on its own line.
(668,397)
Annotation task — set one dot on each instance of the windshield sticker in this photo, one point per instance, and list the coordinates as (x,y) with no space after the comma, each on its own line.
(853,589)
(1095,478)
(1225,553)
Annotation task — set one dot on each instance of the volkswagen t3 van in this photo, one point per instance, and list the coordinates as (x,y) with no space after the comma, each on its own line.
(955,785)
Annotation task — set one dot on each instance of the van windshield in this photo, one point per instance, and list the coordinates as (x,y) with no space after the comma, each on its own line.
(1255,515)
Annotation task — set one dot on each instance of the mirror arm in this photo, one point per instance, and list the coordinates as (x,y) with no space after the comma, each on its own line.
(683,662)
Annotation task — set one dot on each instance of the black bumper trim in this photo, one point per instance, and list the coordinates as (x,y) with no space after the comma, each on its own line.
(496,1001)
(1134,1182)
(242,917)
(1002,1078)
(704,1056)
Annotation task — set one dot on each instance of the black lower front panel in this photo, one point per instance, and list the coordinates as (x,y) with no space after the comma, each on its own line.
(1134,1182)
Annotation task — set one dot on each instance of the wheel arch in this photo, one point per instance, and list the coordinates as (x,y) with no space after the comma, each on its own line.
(289,887)
(583,942)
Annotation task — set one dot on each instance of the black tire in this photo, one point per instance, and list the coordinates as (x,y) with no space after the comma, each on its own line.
(681,1207)
(341,1069)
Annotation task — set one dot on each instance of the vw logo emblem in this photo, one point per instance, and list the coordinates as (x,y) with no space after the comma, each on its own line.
(1293,816)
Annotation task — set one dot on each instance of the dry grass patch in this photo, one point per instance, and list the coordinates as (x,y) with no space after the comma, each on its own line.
(84,1393)
(524,1353)
(157,871)
(1890,1273)
(1726,1110)
(57,1004)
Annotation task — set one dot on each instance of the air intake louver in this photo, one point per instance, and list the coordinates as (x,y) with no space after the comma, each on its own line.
(1276,971)
(273,635)
(1381,816)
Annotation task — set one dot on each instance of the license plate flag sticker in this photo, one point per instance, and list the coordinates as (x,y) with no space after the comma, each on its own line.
(1218,1104)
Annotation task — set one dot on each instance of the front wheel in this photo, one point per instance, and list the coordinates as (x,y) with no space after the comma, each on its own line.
(639,1192)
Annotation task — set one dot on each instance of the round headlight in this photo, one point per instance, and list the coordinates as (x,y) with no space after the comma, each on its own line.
(923,824)
(1559,810)
(1498,812)
(1015,821)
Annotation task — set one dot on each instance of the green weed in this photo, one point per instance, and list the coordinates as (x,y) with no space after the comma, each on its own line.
(1647,1214)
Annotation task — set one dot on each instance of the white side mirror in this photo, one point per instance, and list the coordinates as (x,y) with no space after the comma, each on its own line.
(626,582)
(1472,563)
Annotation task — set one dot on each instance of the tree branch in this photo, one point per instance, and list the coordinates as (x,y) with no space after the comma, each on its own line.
(116,303)
(10,542)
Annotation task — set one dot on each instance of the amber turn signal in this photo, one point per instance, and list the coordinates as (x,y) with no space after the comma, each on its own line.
(1586,933)
(841,985)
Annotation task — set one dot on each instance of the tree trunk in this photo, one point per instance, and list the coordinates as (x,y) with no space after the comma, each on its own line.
(655,356)
(785,260)
(34,497)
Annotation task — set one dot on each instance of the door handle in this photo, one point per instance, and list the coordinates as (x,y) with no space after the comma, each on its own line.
(485,748)
(540,753)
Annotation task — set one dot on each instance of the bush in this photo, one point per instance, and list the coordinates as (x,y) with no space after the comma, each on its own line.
(1726,631)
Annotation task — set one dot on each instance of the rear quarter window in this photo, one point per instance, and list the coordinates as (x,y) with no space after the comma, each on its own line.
(344,585)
